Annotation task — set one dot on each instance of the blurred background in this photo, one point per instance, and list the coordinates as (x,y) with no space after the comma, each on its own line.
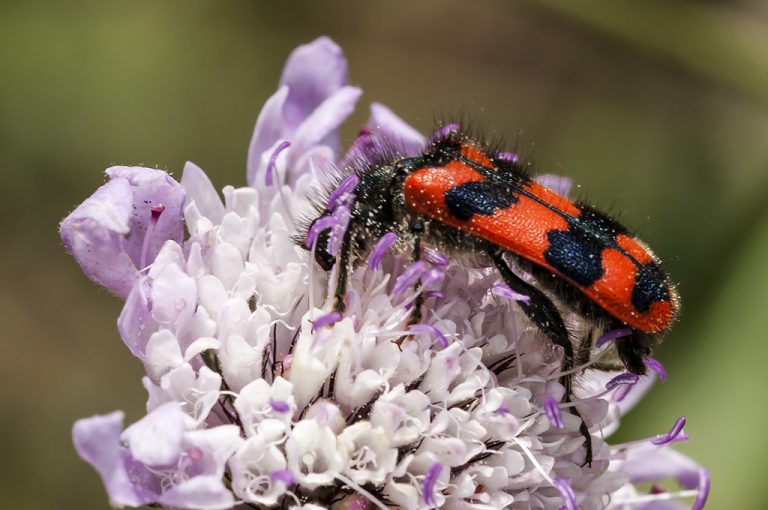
(657,109)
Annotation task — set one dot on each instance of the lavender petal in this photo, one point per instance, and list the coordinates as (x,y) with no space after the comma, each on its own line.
(389,127)
(323,122)
(135,322)
(200,190)
(199,493)
(313,72)
(150,188)
(97,441)
(94,234)
(269,129)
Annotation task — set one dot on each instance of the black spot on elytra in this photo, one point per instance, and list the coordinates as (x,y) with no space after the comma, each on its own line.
(650,287)
(466,200)
(577,252)
(596,223)
(575,256)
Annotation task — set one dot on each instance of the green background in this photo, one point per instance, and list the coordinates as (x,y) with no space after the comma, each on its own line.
(657,109)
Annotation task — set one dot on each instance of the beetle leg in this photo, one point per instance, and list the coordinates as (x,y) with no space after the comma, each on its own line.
(417,230)
(543,313)
(340,294)
(633,349)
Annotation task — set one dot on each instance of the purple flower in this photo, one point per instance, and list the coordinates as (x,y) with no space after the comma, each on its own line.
(312,101)
(387,129)
(119,229)
(156,460)
(253,398)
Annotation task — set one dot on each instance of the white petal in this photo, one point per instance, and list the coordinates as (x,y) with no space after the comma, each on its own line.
(201,191)
(163,353)
(156,439)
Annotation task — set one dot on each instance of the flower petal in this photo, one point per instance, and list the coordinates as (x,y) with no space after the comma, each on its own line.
(200,190)
(655,464)
(150,187)
(135,323)
(313,72)
(387,126)
(200,493)
(269,128)
(97,441)
(93,235)
(323,121)
(156,439)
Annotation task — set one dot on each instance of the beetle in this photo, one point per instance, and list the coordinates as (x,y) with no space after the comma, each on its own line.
(462,197)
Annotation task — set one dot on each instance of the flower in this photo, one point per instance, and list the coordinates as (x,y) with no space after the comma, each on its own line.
(260,395)
(120,228)
(157,460)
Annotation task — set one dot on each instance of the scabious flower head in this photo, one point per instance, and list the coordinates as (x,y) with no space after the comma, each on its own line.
(260,396)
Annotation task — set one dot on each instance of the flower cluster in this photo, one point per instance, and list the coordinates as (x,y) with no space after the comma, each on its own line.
(258,397)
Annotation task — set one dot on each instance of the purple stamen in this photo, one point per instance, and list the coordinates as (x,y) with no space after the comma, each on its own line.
(569,497)
(672,434)
(502,290)
(347,186)
(621,392)
(409,277)
(284,476)
(503,409)
(318,226)
(426,328)
(701,497)
(507,156)
(336,239)
(383,245)
(428,488)
(155,211)
(552,410)
(657,367)
(443,132)
(433,293)
(625,378)
(326,320)
(431,277)
(279,406)
(434,257)
(612,335)
(273,159)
